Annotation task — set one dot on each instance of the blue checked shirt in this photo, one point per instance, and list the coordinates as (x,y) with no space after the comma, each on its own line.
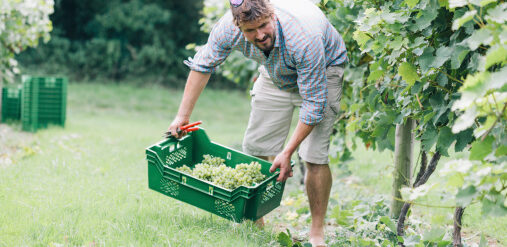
(305,45)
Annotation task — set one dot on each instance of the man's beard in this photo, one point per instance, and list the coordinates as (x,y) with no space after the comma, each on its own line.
(268,46)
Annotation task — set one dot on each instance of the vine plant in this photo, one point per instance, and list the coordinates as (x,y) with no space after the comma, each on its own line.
(441,63)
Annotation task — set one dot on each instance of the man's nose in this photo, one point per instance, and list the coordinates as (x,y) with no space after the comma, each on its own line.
(259,35)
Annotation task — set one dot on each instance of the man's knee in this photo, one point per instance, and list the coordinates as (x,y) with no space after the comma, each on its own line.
(313,166)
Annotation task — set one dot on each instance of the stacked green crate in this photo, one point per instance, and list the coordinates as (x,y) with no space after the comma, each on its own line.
(44,102)
(11,103)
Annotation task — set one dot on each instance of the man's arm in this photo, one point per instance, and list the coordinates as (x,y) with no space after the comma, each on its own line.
(282,160)
(209,56)
(195,84)
(311,68)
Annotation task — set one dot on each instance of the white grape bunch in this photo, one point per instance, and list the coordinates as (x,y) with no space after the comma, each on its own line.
(185,169)
(214,170)
(212,161)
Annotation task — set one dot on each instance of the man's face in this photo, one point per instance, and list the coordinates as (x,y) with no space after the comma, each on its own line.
(261,33)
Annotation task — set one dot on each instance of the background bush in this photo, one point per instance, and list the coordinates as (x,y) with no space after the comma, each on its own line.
(119,39)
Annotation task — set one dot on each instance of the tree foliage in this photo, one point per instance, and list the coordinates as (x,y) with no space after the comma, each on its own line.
(22,23)
(118,39)
(441,63)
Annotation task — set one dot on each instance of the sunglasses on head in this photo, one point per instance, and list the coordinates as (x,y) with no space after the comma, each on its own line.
(236,3)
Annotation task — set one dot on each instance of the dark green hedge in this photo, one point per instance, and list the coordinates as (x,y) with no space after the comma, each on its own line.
(119,39)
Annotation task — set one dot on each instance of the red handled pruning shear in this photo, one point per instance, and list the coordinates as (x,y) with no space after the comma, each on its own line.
(187,128)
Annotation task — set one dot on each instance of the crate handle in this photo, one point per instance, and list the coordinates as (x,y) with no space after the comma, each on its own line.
(168,143)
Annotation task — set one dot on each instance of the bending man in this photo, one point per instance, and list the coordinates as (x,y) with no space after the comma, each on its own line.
(302,58)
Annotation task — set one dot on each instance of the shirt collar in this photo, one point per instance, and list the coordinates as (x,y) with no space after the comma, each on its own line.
(278,31)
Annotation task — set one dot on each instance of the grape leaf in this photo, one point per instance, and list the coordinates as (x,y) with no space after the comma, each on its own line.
(467,119)
(434,235)
(455,180)
(465,196)
(389,223)
(460,53)
(496,55)
(442,79)
(418,51)
(463,19)
(462,139)
(426,59)
(429,116)
(284,239)
(481,36)
(416,88)
(417,42)
(484,126)
(480,149)
(408,73)
(494,208)
(426,17)
(482,3)
(445,139)
(474,62)
(411,240)
(501,151)
(397,43)
(411,3)
(375,75)
(428,138)
(475,83)
(443,54)
(457,3)
(438,104)
(392,17)
(497,79)
(387,141)
(361,37)
(498,14)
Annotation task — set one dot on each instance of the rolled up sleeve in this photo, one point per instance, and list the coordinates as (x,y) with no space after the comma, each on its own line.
(312,82)
(214,52)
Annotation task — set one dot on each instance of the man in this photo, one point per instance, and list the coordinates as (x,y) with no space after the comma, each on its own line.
(302,58)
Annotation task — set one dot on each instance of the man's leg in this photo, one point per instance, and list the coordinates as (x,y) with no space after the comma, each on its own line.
(269,121)
(318,182)
(314,150)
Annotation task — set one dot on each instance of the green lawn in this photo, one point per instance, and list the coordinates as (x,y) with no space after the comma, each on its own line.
(87,183)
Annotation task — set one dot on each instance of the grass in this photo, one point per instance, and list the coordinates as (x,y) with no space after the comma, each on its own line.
(86,184)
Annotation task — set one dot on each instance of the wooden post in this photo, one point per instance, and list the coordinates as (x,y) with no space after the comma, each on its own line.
(403,149)
(1,94)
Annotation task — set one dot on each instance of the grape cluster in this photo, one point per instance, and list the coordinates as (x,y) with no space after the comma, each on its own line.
(185,169)
(214,170)
(212,161)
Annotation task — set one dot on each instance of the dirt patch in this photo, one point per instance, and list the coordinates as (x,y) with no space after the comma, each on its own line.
(473,237)
(12,144)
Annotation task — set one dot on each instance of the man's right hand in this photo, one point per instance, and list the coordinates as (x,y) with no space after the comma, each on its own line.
(195,84)
(176,125)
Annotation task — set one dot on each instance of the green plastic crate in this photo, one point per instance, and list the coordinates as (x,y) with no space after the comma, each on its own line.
(44,102)
(236,205)
(11,103)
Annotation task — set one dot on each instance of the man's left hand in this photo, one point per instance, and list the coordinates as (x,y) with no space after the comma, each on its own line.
(282,161)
